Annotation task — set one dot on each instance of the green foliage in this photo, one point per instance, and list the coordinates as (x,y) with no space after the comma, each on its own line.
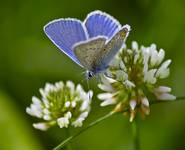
(15,131)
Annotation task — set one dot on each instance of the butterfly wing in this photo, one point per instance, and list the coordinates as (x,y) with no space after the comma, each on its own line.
(64,33)
(86,52)
(111,48)
(101,24)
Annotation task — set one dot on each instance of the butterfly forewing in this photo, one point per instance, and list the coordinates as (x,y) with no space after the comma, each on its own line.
(64,33)
(99,23)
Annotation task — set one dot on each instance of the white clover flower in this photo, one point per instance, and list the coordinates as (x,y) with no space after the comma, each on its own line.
(62,104)
(132,76)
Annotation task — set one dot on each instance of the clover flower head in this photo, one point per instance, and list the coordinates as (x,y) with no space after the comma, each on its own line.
(133,78)
(60,103)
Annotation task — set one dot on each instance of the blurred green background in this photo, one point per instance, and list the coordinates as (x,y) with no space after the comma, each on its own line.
(28,59)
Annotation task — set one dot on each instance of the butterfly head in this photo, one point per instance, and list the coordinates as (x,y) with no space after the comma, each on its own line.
(89,74)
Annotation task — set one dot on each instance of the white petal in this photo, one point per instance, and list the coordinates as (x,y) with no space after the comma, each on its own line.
(166,63)
(110,80)
(163,71)
(63,122)
(136,57)
(129,84)
(85,105)
(145,102)
(47,117)
(149,76)
(107,88)
(134,45)
(79,88)
(36,101)
(108,73)
(154,58)
(41,126)
(80,119)
(166,96)
(73,104)
(46,111)
(30,112)
(163,89)
(133,104)
(46,102)
(59,85)
(42,92)
(34,110)
(161,55)
(84,114)
(153,47)
(48,87)
(146,54)
(121,75)
(90,94)
(68,115)
(122,65)
(104,96)
(71,86)
(108,102)
(78,122)
(67,104)
(81,92)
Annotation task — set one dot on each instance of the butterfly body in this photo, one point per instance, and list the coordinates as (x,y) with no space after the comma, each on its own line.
(92,44)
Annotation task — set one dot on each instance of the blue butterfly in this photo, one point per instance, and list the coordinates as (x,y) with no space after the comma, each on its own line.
(92,44)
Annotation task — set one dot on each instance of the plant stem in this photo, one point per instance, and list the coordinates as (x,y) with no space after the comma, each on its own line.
(69,139)
(135,133)
(68,146)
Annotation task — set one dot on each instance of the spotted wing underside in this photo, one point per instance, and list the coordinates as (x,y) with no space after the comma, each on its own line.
(87,52)
(107,53)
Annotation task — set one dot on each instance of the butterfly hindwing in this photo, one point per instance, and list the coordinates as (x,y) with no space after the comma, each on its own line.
(87,52)
(64,33)
(111,48)
(101,24)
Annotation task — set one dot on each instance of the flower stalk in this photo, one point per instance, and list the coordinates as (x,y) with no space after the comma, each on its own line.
(68,146)
(99,120)
(70,138)
(135,133)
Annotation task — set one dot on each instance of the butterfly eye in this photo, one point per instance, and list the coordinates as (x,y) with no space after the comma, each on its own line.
(90,74)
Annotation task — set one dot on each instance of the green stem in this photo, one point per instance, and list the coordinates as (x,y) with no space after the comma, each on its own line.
(135,133)
(69,139)
(68,146)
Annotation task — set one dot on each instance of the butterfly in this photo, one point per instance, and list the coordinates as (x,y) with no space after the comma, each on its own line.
(92,44)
